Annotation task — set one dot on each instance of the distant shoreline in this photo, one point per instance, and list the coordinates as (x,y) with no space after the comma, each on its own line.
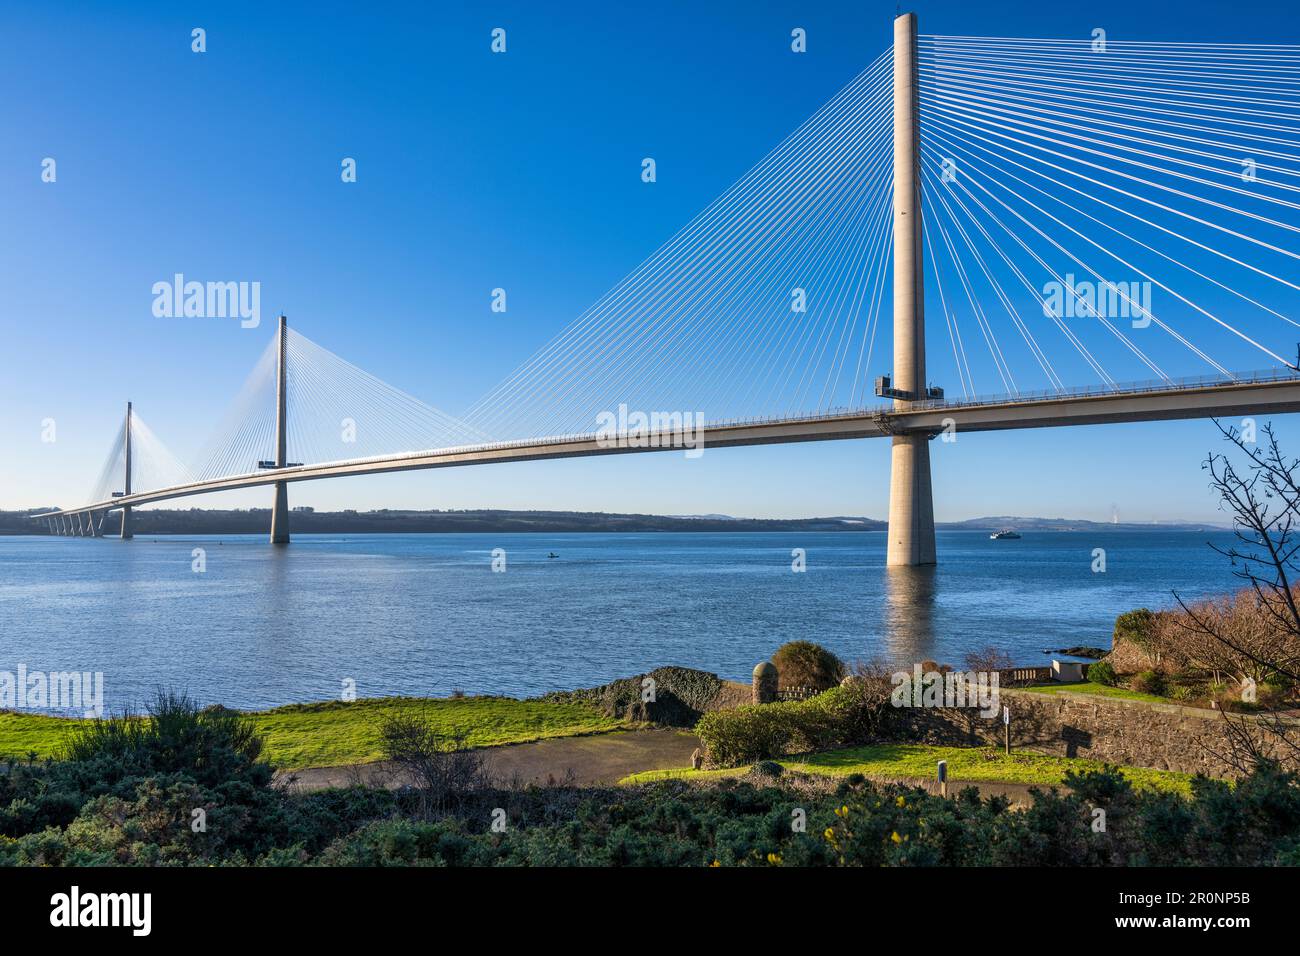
(257,521)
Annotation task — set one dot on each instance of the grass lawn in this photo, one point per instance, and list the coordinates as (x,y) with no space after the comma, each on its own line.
(1100,690)
(965,765)
(334,732)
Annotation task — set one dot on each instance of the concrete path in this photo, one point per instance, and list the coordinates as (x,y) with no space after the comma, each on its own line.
(579,761)
(591,760)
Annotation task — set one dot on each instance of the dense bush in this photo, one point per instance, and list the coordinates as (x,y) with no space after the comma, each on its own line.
(1136,627)
(1102,673)
(681,695)
(1149,682)
(128,787)
(861,824)
(805,664)
(838,717)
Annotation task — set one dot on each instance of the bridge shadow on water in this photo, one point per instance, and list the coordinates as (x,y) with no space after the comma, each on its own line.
(908,616)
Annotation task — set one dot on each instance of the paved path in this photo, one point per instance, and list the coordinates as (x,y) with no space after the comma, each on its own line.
(591,760)
(580,761)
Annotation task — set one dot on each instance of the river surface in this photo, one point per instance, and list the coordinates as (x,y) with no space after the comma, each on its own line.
(426,614)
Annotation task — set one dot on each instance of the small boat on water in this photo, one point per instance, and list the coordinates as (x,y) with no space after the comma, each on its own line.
(552,555)
(1003,535)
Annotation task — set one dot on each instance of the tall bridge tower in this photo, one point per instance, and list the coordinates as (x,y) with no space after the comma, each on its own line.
(280,510)
(126,485)
(911,502)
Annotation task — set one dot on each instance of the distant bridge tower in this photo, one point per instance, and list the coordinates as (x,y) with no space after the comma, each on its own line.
(126,485)
(280,510)
(911,502)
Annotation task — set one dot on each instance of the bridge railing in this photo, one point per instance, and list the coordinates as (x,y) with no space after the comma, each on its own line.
(1262,376)
(1186,383)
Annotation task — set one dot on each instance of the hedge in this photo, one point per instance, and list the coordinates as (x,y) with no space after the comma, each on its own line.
(839,717)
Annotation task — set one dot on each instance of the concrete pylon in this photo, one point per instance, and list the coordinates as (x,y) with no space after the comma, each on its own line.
(911,502)
(126,487)
(280,509)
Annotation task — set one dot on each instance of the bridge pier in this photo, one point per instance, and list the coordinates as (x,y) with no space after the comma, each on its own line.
(911,501)
(280,509)
(126,509)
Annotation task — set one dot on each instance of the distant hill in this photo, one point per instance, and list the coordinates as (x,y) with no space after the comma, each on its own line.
(258,521)
(1073,524)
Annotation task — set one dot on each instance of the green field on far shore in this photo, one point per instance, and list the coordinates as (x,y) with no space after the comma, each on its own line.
(917,762)
(333,733)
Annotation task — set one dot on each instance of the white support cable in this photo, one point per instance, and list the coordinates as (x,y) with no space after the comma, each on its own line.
(1030,340)
(1148,277)
(779,155)
(1232,232)
(948,104)
(666,320)
(986,330)
(671,325)
(966,147)
(950,319)
(601,358)
(1074,121)
(947,62)
(1073,339)
(1082,114)
(1043,90)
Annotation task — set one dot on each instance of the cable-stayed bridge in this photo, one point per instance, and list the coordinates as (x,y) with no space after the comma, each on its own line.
(1093,211)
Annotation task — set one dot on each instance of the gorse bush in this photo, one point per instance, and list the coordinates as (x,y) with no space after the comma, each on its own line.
(805,664)
(174,735)
(741,823)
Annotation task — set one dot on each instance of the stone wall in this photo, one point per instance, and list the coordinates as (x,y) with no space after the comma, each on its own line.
(1111,729)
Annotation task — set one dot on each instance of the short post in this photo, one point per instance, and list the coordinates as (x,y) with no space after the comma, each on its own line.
(943,778)
(1006,728)
(765,683)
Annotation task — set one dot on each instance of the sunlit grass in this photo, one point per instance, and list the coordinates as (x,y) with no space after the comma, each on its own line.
(965,765)
(336,733)
(1098,690)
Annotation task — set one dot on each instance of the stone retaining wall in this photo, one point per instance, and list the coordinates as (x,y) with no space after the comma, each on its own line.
(1112,729)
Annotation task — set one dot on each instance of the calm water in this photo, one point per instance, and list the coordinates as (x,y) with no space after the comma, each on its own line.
(424,614)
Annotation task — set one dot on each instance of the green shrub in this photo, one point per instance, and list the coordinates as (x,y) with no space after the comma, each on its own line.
(1137,627)
(805,664)
(681,695)
(837,717)
(1102,673)
(1149,682)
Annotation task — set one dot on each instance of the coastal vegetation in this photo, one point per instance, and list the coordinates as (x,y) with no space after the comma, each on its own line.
(334,733)
(190,786)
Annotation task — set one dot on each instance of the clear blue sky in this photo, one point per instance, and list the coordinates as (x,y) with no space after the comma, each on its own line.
(474,171)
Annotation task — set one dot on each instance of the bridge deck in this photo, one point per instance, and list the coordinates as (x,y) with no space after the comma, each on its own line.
(1261,393)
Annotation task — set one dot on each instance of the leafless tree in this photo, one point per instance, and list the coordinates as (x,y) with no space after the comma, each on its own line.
(1261,492)
(442,770)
